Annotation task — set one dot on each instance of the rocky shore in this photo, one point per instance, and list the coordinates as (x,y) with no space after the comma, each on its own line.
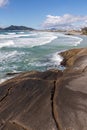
(51,100)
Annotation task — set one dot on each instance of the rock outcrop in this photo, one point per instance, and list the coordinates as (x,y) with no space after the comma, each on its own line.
(26,101)
(51,100)
(84,31)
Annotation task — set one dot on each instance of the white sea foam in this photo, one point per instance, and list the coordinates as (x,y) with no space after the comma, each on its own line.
(12,56)
(18,35)
(6,43)
(69,40)
(52,62)
(56,59)
(21,32)
(12,36)
(78,42)
(3,80)
(39,64)
(21,40)
(13,33)
(75,40)
(7,55)
(32,42)
(41,39)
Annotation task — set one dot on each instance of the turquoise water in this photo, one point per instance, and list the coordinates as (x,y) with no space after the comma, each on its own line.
(25,51)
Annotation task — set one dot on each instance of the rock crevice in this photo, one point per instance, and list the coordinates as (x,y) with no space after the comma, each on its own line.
(52,104)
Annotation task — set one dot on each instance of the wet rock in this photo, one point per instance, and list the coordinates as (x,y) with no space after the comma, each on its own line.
(11,74)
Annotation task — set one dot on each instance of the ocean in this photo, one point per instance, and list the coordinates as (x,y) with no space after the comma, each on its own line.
(26,51)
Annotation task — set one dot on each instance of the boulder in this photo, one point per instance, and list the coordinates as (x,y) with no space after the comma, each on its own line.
(69,57)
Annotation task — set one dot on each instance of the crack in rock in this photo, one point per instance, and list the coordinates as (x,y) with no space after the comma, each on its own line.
(52,104)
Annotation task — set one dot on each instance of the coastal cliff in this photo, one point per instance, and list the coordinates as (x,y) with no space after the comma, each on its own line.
(51,100)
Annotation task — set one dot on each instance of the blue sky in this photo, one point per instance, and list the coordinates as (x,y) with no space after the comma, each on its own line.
(43,13)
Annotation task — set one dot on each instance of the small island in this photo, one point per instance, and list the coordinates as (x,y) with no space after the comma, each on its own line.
(17,28)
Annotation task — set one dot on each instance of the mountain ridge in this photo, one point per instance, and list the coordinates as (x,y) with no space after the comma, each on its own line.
(15,27)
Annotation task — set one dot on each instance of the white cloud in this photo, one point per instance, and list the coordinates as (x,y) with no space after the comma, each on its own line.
(67,21)
(3,2)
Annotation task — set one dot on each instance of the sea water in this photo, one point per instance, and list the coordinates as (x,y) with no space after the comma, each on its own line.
(26,51)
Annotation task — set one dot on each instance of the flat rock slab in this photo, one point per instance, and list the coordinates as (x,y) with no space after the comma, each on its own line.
(26,102)
(70,102)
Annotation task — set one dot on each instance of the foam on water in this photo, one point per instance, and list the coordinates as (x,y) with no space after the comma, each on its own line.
(32,42)
(18,51)
(71,40)
(77,40)
(39,64)
(53,61)
(8,57)
(11,33)
(6,43)
(21,32)
(13,36)
(39,38)
(56,59)
(25,40)
(3,80)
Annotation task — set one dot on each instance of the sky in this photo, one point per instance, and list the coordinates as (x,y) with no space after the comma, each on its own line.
(59,14)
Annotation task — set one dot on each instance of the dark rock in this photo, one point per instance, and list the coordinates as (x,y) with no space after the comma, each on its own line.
(84,31)
(69,57)
(51,100)
(12,74)
(75,58)
(26,103)
(17,28)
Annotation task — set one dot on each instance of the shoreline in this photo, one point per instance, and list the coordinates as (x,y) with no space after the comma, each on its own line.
(2,80)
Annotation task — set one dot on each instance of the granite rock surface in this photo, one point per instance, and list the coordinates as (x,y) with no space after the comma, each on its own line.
(51,100)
